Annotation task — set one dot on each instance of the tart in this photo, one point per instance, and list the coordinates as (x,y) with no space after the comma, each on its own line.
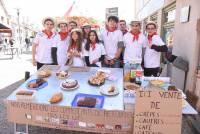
(157,83)
(97,79)
(70,83)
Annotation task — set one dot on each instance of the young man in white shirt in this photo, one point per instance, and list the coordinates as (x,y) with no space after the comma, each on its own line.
(153,50)
(42,44)
(113,43)
(59,51)
(134,43)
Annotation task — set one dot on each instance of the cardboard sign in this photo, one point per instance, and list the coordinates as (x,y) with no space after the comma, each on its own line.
(158,112)
(70,118)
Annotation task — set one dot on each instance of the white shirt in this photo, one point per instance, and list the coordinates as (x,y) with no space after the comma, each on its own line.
(110,40)
(62,47)
(152,57)
(133,49)
(96,53)
(43,48)
(79,61)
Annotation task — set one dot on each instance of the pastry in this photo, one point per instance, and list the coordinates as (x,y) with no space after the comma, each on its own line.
(44,73)
(87,102)
(111,89)
(132,86)
(23,92)
(98,78)
(36,84)
(56,98)
(62,74)
(70,83)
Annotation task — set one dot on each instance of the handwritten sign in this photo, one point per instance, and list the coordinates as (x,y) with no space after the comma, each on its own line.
(158,112)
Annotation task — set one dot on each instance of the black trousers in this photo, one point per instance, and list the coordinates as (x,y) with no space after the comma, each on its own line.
(39,65)
(151,72)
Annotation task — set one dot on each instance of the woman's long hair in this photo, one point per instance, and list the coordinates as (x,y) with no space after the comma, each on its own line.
(87,45)
(78,43)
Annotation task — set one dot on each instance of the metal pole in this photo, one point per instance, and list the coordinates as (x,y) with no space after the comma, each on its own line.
(18,13)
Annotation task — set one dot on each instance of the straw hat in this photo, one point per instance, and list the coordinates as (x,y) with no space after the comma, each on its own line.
(48,18)
(86,25)
(151,23)
(135,22)
(76,30)
(61,22)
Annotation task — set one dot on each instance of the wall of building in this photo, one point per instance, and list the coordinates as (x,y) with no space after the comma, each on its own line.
(186,41)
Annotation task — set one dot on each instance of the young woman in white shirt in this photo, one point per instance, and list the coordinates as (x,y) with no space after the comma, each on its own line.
(94,50)
(42,44)
(75,50)
(86,28)
(61,46)
(153,51)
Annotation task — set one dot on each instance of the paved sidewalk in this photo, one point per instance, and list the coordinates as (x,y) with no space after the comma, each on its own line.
(12,70)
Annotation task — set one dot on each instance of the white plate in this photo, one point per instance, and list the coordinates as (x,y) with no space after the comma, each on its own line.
(104,90)
(67,89)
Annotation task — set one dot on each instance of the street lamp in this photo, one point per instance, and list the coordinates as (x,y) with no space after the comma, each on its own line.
(19,29)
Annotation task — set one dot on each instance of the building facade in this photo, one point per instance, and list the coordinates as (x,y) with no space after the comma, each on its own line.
(179,26)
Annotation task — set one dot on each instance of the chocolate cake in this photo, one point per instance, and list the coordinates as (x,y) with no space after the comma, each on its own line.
(87,102)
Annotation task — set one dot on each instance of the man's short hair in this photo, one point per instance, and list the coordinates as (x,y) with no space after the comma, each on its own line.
(74,22)
(122,21)
(114,18)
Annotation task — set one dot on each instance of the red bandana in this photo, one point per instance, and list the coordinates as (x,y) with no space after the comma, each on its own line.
(150,38)
(63,35)
(93,45)
(135,36)
(48,34)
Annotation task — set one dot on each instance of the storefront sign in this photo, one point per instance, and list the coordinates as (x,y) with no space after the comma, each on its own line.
(158,112)
(185,12)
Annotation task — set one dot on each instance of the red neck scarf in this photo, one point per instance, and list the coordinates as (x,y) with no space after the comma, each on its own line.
(63,35)
(150,38)
(93,45)
(109,30)
(47,33)
(135,36)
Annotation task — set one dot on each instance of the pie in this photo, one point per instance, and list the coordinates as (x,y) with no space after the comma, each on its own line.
(57,97)
(62,74)
(158,83)
(70,83)
(87,102)
(44,73)
(172,88)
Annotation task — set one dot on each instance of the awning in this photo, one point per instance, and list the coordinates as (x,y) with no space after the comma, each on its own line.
(4,29)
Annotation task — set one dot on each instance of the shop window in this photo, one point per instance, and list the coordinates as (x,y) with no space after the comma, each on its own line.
(168,23)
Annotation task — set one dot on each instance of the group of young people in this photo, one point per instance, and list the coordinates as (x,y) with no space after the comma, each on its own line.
(113,47)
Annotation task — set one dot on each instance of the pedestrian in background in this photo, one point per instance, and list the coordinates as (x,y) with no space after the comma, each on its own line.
(153,50)
(42,44)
